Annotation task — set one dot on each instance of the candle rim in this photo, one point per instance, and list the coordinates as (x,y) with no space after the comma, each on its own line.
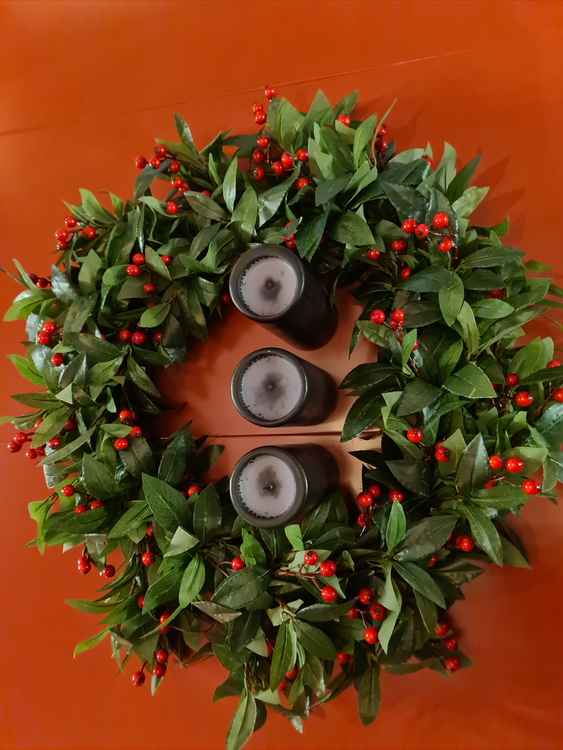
(236,382)
(255,252)
(300,478)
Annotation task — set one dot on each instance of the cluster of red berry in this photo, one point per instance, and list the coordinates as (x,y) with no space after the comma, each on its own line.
(160,659)
(512,465)
(523,399)
(372,497)
(72,229)
(137,268)
(22,437)
(368,610)
(84,565)
(443,630)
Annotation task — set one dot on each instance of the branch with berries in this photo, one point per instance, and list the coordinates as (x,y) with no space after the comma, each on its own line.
(463,421)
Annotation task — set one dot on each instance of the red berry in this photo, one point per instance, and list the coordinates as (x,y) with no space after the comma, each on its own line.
(124,335)
(365,595)
(133,270)
(121,444)
(62,236)
(70,222)
(80,508)
(327,568)
(237,563)
(442,629)
(365,500)
(140,601)
(353,613)
(49,326)
(31,454)
(343,658)
(377,612)
(166,259)
(174,166)
(377,316)
(172,207)
(20,437)
(451,644)
(409,226)
(399,246)
(465,543)
(155,162)
(83,564)
(136,432)
(446,245)
(422,231)
(302,154)
(263,141)
(193,489)
(96,504)
(125,416)
(396,496)
(108,571)
(206,193)
(515,465)
(495,462)
(163,617)
(139,338)
(159,670)
(554,363)
(441,220)
(512,379)
(415,435)
(160,151)
(13,447)
(441,454)
(292,674)
(157,337)
(310,558)
(302,183)
(406,273)
(260,117)
(452,663)
(557,395)
(531,487)
(258,173)
(490,484)
(42,283)
(149,288)
(496,294)
(523,399)
(54,442)
(370,635)
(138,259)
(68,490)
(140,162)
(57,359)
(277,168)
(44,338)
(287,160)
(258,155)
(362,520)
(138,678)
(398,315)
(432,561)
(374,254)
(149,530)
(374,490)
(161,656)
(291,242)
(344,119)
(90,233)
(270,93)
(328,594)
(147,558)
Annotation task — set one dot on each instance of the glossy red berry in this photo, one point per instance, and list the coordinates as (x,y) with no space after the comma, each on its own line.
(399,246)
(557,395)
(139,338)
(422,231)
(287,160)
(377,612)
(149,288)
(96,504)
(302,154)
(90,233)
(260,117)
(277,168)
(377,316)
(446,245)
(172,208)
(108,571)
(370,635)
(162,619)
(531,487)
(159,670)
(44,338)
(496,462)
(80,508)
(365,596)
(310,557)
(452,663)
(302,183)
(157,337)
(136,432)
(398,315)
(50,327)
(237,563)
(147,558)
(270,93)
(406,273)
(441,454)
(84,565)
(353,613)
(155,162)
(523,399)
(432,561)
(442,629)
(124,335)
(133,270)
(451,644)
(554,363)
(68,490)
(258,173)
(138,259)
(138,678)
(343,658)
(70,222)
(365,500)
(13,447)
(441,220)
(166,259)
(464,543)
(374,254)
(415,435)
(42,283)
(515,465)
(396,496)
(263,141)
(121,444)
(490,484)
(374,490)
(193,489)
(344,119)
(161,656)
(70,425)
(160,151)
(125,416)
(409,226)
(512,379)
(174,166)
(362,520)
(258,155)
(57,359)
(328,594)
(496,294)
(327,568)
(55,443)
(140,601)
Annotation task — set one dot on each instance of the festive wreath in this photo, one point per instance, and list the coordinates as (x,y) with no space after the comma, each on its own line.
(467,416)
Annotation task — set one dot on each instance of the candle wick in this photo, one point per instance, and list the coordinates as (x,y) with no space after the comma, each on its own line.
(269,487)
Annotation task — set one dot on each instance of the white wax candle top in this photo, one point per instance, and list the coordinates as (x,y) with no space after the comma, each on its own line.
(269,286)
(271,387)
(267,486)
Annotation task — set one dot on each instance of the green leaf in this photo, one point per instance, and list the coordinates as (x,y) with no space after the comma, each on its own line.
(246,212)
(467,328)
(473,467)
(323,612)
(26,369)
(362,415)
(512,556)
(411,473)
(162,590)
(351,229)
(418,394)
(396,526)
(242,725)
(251,550)
(309,235)
(428,612)
(239,589)
(293,533)
(492,309)
(182,541)
(68,449)
(169,507)
(450,298)
(367,375)
(207,513)
(270,200)
(429,280)
(90,643)
(137,514)
(363,138)
(205,206)
(369,694)
(139,376)
(421,581)
(471,382)
(154,316)
(98,478)
(550,424)
(230,184)
(466,204)
(486,257)
(192,581)
(174,462)
(484,531)
(533,357)
(285,653)
(314,641)
(426,536)
(460,182)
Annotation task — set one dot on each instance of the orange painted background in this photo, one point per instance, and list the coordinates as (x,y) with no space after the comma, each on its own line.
(84,86)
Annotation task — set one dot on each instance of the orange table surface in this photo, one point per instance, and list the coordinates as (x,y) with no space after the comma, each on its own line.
(84,88)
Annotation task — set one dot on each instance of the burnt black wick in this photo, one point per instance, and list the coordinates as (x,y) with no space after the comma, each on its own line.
(270,289)
(269,487)
(268,482)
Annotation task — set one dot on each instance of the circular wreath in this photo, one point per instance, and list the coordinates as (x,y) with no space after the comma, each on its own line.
(467,416)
